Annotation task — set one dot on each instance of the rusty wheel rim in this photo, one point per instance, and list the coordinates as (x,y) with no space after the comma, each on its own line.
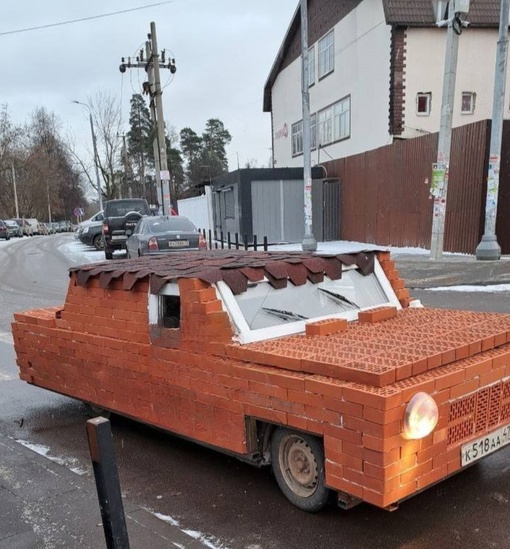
(298,465)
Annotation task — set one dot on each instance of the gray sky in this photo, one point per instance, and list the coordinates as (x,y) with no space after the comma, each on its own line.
(223,49)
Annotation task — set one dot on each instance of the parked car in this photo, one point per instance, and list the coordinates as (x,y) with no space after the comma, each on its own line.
(4,231)
(99,216)
(92,235)
(318,365)
(163,234)
(34,225)
(120,219)
(25,227)
(13,228)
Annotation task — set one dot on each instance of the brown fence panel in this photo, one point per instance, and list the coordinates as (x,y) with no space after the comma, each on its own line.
(385,192)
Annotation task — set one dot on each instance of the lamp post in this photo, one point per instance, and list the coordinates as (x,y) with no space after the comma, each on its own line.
(99,193)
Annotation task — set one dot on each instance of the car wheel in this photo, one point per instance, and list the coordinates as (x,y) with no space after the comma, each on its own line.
(7,237)
(97,242)
(297,460)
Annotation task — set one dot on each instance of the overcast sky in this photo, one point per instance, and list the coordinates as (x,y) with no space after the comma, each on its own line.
(224,50)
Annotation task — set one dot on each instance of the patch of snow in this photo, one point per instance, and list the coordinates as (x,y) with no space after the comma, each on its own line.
(206,540)
(81,254)
(44,451)
(491,289)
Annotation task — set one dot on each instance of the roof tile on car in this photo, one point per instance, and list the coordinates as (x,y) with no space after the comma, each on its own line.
(235,268)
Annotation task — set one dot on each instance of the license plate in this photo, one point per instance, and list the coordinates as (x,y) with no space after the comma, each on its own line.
(178,244)
(483,446)
(118,237)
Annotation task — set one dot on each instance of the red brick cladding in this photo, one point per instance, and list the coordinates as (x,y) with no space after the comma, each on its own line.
(206,397)
(397,80)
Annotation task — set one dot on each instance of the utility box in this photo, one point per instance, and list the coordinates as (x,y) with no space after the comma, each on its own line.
(462,6)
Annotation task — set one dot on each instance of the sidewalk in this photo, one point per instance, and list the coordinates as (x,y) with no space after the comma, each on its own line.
(44,505)
(418,271)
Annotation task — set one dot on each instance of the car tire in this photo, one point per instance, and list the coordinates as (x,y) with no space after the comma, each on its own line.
(297,460)
(97,242)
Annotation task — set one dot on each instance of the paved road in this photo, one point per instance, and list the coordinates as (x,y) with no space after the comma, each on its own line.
(237,506)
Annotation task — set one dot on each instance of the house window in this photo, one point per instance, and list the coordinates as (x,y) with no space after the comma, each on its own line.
(468,103)
(423,103)
(313,131)
(311,66)
(326,55)
(335,122)
(297,138)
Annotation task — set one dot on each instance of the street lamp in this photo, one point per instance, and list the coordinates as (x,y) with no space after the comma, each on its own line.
(99,193)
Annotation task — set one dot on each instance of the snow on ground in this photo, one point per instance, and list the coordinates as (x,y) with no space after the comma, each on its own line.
(491,289)
(42,450)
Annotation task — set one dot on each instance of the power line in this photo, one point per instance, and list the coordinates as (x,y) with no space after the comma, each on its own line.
(90,18)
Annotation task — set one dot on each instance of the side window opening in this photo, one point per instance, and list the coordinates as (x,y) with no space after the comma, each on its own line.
(169,311)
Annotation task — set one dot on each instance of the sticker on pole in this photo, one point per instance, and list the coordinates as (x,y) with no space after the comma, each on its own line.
(438,180)
(164,175)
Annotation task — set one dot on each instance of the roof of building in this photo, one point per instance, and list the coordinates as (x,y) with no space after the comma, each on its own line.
(410,13)
(482,13)
(235,268)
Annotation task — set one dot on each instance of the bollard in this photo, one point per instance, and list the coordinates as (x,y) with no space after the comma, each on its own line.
(100,438)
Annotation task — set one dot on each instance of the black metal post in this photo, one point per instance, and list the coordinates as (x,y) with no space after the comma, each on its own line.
(210,239)
(265,243)
(102,453)
(255,242)
(237,241)
(245,239)
(229,241)
(222,243)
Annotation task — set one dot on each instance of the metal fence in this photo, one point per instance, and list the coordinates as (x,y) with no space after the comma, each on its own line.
(385,192)
(218,240)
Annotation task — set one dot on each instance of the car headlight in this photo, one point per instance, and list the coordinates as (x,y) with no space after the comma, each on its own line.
(85,230)
(421,416)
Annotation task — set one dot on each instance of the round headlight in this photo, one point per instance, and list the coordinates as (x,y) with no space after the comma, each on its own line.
(421,416)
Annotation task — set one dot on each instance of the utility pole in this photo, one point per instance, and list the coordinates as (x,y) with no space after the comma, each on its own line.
(96,157)
(440,175)
(309,243)
(127,178)
(155,146)
(13,171)
(489,249)
(153,88)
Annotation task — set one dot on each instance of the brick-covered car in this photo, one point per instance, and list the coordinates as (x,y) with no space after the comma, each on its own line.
(314,364)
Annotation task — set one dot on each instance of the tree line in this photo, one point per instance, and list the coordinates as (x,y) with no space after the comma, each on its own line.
(53,176)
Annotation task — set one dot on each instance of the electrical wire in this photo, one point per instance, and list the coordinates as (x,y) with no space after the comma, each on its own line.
(90,18)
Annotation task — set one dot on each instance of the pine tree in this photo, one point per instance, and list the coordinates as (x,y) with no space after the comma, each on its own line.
(140,148)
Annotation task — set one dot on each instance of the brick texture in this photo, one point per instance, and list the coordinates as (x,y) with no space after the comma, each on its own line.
(350,386)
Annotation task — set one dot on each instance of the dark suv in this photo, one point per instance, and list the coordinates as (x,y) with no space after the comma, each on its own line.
(120,218)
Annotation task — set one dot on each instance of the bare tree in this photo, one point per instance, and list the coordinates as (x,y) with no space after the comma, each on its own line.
(107,116)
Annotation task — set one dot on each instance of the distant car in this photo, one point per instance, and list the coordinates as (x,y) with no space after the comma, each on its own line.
(92,235)
(25,227)
(163,234)
(4,231)
(13,228)
(34,225)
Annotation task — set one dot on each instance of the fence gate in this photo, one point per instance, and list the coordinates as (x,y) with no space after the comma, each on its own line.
(326,209)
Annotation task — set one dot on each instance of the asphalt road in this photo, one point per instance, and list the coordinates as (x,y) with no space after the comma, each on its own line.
(235,505)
